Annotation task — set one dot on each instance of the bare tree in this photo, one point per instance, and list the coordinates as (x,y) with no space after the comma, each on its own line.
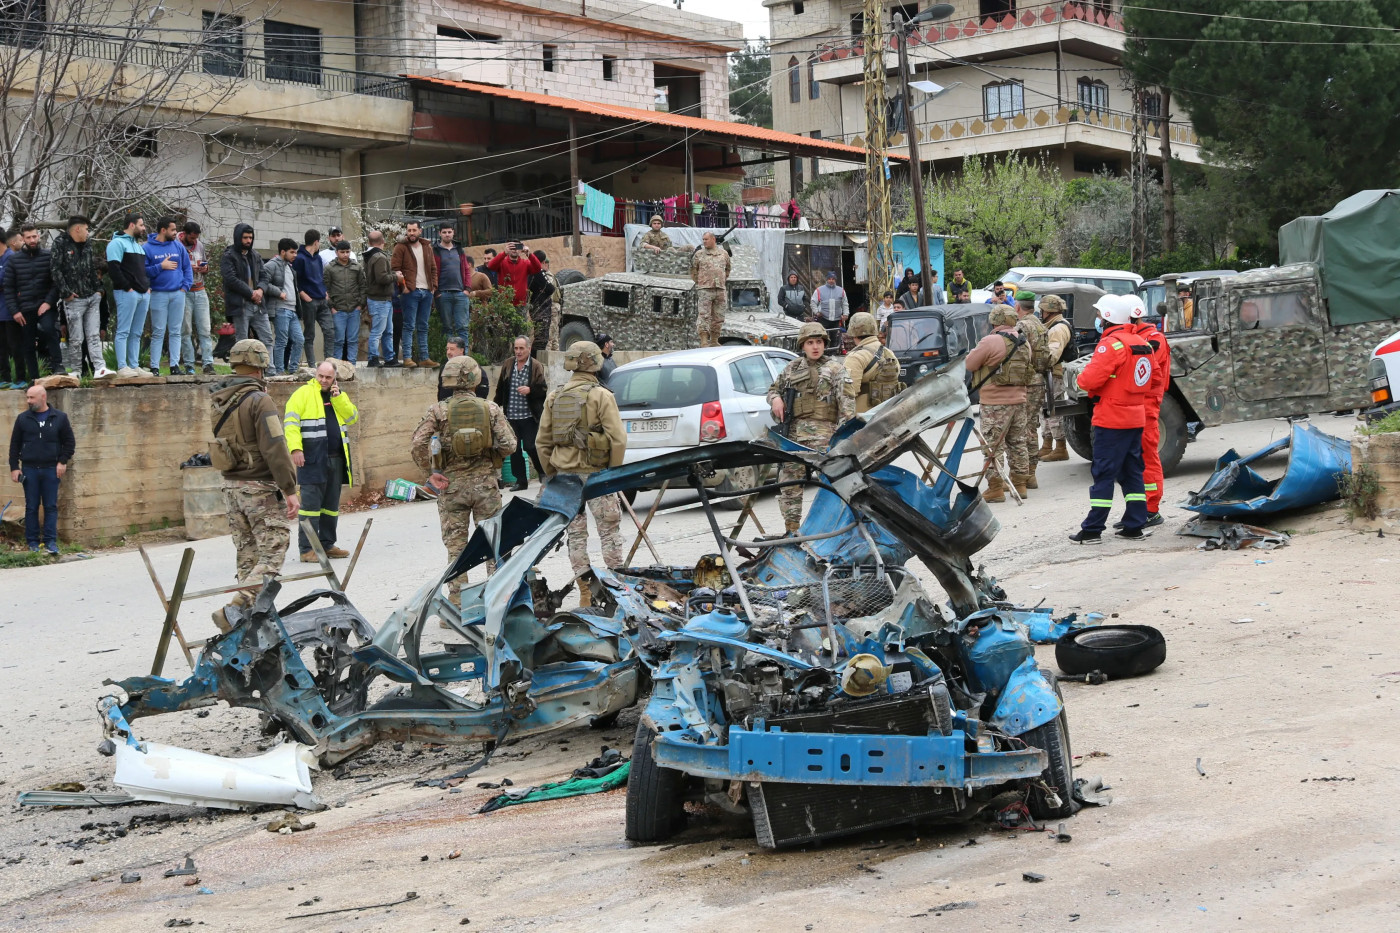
(93,87)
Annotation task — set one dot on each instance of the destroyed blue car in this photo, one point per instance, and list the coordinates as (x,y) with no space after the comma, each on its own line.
(1315,463)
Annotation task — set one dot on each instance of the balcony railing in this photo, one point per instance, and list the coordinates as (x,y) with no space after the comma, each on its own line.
(1100,14)
(216,60)
(1063,115)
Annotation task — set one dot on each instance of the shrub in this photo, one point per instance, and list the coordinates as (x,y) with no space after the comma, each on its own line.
(495,324)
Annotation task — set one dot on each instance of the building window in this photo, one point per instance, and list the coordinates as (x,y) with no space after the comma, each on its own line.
(816,168)
(1005,99)
(1152,105)
(857,24)
(224,52)
(466,35)
(22,22)
(797,8)
(996,8)
(427,203)
(549,51)
(796,176)
(292,52)
(794,81)
(814,88)
(906,11)
(609,67)
(1093,96)
(140,142)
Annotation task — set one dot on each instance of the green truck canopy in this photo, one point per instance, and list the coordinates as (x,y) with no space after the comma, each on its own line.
(1357,246)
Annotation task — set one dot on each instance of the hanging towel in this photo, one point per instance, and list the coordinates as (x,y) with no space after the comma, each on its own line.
(598,207)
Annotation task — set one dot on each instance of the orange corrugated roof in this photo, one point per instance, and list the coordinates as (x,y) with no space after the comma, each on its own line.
(738,131)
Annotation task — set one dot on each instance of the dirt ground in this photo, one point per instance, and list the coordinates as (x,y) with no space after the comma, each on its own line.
(1282,685)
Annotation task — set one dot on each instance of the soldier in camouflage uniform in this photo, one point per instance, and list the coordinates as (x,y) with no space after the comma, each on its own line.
(1037,338)
(1001,365)
(581,432)
(473,439)
(709,268)
(873,368)
(654,238)
(260,480)
(825,397)
(1059,335)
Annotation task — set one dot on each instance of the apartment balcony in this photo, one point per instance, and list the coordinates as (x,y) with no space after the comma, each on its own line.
(1080,28)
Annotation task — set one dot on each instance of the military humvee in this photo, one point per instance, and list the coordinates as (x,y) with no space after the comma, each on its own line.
(1259,344)
(654,307)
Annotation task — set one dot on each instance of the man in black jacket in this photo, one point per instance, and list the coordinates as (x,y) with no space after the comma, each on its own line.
(78,283)
(41,444)
(241,269)
(30,296)
(520,391)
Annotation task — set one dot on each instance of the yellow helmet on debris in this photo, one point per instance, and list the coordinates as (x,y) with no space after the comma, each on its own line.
(864,675)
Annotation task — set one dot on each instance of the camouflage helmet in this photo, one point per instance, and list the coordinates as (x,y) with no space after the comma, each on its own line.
(1052,304)
(250,352)
(583,357)
(461,372)
(1002,316)
(809,330)
(862,324)
(655,218)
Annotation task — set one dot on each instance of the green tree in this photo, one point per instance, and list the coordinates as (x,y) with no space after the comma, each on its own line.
(750,83)
(1296,103)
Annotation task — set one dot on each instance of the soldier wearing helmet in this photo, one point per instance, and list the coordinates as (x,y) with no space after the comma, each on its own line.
(581,432)
(1034,331)
(1002,367)
(1152,475)
(874,369)
(1059,335)
(260,480)
(1117,380)
(654,238)
(461,444)
(814,395)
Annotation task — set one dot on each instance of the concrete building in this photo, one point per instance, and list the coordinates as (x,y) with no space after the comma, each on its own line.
(1041,79)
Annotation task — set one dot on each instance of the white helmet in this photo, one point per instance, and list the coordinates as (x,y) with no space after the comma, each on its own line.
(1136,309)
(1113,309)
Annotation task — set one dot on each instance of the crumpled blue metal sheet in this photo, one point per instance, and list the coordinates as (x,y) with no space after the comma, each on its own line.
(1235,490)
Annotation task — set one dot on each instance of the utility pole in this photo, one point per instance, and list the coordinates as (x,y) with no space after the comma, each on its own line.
(1138,175)
(916,165)
(879,245)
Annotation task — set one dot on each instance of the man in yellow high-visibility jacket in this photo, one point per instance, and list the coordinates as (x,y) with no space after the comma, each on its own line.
(321,454)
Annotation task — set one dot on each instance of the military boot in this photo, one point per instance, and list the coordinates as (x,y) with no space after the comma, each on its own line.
(792,527)
(1030,478)
(996,490)
(1057,454)
(1047,447)
(1019,481)
(585,594)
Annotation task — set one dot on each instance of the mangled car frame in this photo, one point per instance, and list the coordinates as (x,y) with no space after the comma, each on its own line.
(809,679)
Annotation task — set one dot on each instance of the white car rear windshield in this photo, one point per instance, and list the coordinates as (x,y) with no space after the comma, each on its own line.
(664,386)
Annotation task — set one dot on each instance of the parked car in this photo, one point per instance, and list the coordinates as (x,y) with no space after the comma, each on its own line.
(1113,281)
(676,401)
(1383,374)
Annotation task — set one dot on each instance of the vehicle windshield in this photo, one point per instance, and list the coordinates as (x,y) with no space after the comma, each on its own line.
(743,298)
(1154,298)
(663,386)
(915,333)
(1009,277)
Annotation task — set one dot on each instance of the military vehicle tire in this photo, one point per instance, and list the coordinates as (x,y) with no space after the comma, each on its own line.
(571,332)
(569,277)
(1172,444)
(655,795)
(1079,432)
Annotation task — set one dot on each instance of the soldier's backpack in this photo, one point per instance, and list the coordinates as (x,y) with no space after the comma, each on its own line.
(1037,338)
(469,426)
(230,451)
(569,427)
(885,385)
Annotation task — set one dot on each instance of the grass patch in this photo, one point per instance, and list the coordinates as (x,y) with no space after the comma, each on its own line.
(1390,424)
(1361,491)
(27,558)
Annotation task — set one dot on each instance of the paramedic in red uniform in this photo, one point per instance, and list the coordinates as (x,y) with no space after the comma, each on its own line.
(1152,479)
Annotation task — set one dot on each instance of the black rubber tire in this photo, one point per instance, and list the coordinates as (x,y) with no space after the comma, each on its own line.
(569,276)
(1171,445)
(1117,650)
(571,332)
(1053,737)
(630,495)
(655,795)
(733,504)
(1079,432)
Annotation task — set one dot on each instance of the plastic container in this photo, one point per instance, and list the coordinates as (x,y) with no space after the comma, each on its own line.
(206,515)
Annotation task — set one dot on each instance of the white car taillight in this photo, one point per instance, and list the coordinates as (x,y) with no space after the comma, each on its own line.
(711,422)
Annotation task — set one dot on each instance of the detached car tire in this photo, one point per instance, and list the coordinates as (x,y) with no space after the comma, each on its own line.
(655,795)
(1117,650)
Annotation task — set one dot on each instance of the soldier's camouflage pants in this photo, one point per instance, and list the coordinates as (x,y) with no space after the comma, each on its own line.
(1004,429)
(1035,398)
(1055,425)
(468,496)
(607,515)
(257,518)
(813,434)
(709,319)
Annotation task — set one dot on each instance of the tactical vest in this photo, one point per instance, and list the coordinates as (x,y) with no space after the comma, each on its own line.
(469,426)
(1037,338)
(1070,352)
(806,404)
(231,450)
(880,377)
(1015,370)
(568,414)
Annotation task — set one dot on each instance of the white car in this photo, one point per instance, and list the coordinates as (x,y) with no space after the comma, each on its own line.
(1112,281)
(1383,375)
(688,398)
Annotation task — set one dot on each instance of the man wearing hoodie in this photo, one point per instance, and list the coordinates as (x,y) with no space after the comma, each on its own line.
(80,287)
(196,304)
(379,296)
(168,268)
(311,288)
(241,269)
(11,374)
(30,297)
(279,286)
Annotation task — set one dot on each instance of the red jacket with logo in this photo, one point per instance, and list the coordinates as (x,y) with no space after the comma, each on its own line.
(1119,376)
(1161,362)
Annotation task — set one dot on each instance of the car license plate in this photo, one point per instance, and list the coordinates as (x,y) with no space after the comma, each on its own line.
(651,426)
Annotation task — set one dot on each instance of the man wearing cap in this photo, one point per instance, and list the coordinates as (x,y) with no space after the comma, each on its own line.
(605,343)
(1059,335)
(260,479)
(328,253)
(1002,367)
(709,269)
(318,416)
(654,238)
(581,432)
(472,441)
(1034,331)
(830,308)
(1117,380)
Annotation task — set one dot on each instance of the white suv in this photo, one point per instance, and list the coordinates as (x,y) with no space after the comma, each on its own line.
(1112,281)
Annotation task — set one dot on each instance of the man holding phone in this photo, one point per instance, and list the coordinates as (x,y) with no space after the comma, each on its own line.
(315,424)
(196,305)
(513,269)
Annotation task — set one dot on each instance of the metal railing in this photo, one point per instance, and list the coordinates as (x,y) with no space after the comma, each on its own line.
(1033,118)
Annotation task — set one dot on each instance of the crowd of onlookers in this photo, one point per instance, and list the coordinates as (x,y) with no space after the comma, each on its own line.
(147,295)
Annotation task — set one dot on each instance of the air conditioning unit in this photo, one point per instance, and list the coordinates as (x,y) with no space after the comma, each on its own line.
(478,62)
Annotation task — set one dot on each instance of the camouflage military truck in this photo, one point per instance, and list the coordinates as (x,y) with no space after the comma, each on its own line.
(654,307)
(1260,344)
